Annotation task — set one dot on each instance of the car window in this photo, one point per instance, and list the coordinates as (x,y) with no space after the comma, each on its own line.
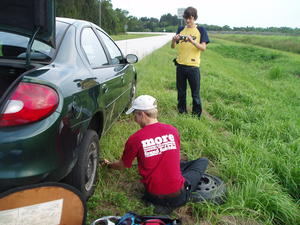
(15,45)
(92,48)
(115,53)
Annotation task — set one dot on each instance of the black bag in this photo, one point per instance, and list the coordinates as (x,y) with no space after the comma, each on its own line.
(175,62)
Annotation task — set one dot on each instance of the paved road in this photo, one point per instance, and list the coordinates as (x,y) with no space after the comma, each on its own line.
(144,46)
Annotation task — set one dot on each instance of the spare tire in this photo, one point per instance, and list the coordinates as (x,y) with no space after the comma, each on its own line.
(210,188)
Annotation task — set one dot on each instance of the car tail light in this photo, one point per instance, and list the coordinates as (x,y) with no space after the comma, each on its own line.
(29,103)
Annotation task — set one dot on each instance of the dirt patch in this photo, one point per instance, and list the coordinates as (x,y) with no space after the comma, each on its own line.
(209,116)
(109,207)
(232,220)
(186,215)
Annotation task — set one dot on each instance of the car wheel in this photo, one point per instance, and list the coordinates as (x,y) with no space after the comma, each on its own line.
(132,95)
(133,91)
(84,174)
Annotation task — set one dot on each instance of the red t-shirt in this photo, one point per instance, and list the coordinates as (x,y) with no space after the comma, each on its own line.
(157,148)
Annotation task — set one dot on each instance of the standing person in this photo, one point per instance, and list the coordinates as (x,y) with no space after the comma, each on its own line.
(191,41)
(157,149)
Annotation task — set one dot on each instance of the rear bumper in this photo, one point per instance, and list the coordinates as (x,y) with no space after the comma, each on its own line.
(31,153)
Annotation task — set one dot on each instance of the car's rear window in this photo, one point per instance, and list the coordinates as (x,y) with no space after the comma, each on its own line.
(14,45)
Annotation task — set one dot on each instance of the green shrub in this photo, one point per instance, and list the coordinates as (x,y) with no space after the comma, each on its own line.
(276,73)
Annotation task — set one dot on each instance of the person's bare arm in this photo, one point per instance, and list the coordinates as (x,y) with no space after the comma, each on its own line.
(174,40)
(117,165)
(201,46)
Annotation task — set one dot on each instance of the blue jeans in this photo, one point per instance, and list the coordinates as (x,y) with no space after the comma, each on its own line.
(192,75)
(192,171)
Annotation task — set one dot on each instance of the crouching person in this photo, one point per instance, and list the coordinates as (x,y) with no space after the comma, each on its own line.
(168,183)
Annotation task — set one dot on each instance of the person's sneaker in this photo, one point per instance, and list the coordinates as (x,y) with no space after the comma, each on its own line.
(182,111)
(197,114)
(163,210)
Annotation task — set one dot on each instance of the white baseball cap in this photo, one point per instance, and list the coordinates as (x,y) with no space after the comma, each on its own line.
(143,102)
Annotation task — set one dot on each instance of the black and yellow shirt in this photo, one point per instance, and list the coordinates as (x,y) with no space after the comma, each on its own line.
(188,54)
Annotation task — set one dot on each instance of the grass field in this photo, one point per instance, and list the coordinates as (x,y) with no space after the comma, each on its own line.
(280,42)
(250,131)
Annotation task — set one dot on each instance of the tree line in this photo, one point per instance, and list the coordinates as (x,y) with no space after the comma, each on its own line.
(116,21)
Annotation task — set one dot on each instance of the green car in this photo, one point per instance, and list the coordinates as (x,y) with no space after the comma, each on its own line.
(63,82)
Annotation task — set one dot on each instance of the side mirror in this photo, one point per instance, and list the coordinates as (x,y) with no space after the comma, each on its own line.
(131,58)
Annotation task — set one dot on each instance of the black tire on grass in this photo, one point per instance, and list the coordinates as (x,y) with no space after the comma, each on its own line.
(84,175)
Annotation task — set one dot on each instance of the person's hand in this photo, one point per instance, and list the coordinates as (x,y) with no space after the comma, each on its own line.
(190,39)
(176,38)
(105,162)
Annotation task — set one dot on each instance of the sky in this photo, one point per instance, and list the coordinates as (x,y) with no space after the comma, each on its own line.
(234,13)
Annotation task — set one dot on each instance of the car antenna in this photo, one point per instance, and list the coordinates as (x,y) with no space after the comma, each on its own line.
(29,46)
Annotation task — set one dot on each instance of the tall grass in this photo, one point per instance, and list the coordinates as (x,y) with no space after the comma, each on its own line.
(280,42)
(250,132)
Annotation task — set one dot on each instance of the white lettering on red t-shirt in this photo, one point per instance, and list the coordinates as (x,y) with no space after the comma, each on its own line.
(157,145)
(157,149)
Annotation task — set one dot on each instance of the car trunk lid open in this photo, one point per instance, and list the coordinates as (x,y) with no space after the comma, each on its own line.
(32,18)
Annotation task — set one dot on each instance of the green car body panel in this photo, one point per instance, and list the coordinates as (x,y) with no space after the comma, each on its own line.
(89,98)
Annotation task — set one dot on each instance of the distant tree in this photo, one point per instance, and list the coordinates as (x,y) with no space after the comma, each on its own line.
(168,20)
(115,21)
(121,20)
(211,27)
(134,24)
(89,10)
(112,21)
(149,24)
(67,8)
(226,28)
(108,22)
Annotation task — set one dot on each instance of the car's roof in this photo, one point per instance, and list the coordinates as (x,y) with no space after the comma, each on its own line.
(76,22)
(70,20)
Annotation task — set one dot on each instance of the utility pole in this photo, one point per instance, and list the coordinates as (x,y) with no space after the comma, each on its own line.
(100,1)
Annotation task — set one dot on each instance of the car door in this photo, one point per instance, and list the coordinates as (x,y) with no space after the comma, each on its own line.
(122,71)
(104,74)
